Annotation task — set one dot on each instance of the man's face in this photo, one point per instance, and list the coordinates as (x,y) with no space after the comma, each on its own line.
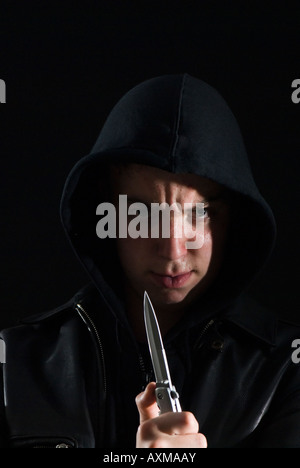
(166,268)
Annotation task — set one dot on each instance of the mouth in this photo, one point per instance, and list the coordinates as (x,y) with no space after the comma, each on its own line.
(171,281)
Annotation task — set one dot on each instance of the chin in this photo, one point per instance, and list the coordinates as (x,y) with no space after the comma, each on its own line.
(168,296)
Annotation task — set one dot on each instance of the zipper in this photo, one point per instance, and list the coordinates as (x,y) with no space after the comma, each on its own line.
(202,333)
(146,376)
(89,322)
(42,442)
(61,445)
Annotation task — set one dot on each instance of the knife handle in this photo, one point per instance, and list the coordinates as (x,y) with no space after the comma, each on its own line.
(167,399)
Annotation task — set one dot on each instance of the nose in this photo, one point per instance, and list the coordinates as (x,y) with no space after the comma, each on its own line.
(174,246)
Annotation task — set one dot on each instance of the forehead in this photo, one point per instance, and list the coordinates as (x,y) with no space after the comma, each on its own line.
(141,178)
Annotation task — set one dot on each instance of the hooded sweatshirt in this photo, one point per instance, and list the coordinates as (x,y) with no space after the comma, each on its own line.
(179,124)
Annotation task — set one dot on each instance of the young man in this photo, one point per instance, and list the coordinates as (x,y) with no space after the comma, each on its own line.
(81,375)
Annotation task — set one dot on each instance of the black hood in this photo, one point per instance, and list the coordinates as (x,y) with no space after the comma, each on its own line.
(182,125)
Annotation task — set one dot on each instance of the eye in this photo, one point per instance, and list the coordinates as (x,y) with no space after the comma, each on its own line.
(197,213)
(200,211)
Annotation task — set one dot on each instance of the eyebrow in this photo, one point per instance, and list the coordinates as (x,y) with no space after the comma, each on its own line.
(137,200)
(212,199)
(205,201)
(221,195)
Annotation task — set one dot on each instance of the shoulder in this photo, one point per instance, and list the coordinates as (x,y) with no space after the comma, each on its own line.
(54,319)
(260,321)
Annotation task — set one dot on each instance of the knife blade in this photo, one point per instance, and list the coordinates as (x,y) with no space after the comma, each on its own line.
(167,397)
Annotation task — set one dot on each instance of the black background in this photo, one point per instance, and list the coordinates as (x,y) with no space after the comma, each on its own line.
(65,65)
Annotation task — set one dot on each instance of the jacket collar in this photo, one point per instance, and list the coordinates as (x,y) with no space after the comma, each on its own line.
(255,319)
(246,313)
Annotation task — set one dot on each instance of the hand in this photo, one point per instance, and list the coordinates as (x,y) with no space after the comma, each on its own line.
(169,430)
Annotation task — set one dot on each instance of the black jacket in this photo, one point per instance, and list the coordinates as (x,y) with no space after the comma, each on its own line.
(71,375)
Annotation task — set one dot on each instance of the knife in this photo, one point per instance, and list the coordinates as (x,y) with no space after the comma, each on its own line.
(166,395)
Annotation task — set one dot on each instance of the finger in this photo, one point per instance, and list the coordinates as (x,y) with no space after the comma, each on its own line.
(176,423)
(189,441)
(146,403)
(180,441)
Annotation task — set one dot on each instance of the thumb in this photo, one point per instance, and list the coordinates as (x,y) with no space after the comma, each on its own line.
(146,403)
